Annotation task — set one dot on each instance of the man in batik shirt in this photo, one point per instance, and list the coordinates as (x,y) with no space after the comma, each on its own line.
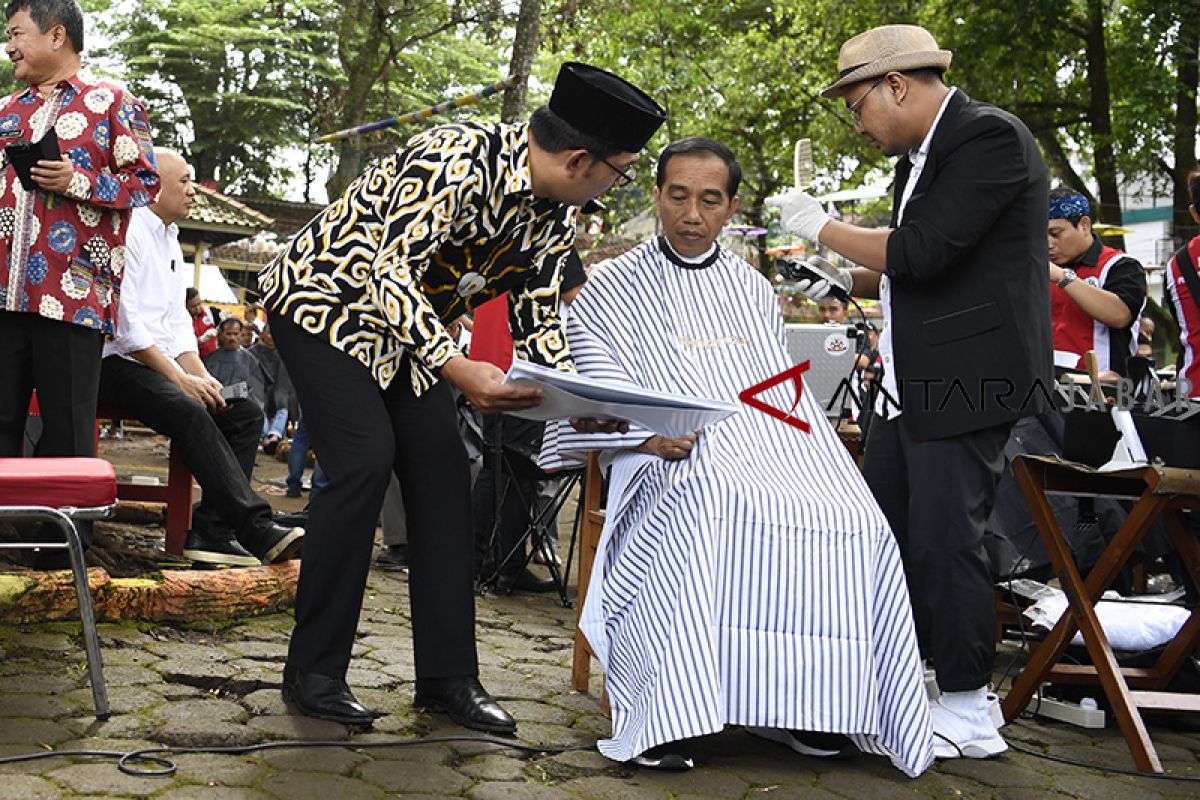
(360,303)
(62,241)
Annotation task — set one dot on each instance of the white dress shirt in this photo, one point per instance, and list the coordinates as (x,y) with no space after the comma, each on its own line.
(153,309)
(883,406)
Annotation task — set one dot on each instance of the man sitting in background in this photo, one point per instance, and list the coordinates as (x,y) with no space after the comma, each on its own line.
(204,323)
(232,362)
(734,583)
(1097,293)
(151,370)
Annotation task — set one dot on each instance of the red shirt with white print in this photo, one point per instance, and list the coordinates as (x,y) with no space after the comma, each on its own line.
(61,256)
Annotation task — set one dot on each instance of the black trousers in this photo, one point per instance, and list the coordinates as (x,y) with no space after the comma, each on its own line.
(937,496)
(62,362)
(218,448)
(360,432)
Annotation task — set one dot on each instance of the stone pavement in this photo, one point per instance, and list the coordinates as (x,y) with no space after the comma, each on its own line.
(219,685)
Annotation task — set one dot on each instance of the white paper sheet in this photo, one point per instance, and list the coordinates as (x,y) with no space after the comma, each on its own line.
(566,395)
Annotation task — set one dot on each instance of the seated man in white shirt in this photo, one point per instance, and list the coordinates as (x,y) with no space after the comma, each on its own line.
(151,370)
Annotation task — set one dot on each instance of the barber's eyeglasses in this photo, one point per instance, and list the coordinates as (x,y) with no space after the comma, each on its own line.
(624,176)
(855,108)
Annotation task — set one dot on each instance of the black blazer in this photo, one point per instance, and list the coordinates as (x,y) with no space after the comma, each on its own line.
(970,278)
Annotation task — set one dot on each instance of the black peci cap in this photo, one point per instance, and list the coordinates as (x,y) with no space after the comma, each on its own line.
(600,104)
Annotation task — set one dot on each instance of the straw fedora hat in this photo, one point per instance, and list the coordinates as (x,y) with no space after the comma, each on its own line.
(889,48)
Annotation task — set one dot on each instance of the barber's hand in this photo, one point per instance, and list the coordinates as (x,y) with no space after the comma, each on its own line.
(207,336)
(669,449)
(817,288)
(53,176)
(205,391)
(593,425)
(800,213)
(484,386)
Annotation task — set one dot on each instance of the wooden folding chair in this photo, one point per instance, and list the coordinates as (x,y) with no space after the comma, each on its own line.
(1157,491)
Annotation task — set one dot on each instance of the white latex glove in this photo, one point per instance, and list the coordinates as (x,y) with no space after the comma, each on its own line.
(801,213)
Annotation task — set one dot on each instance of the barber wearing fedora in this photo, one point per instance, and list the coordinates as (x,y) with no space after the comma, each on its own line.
(961,276)
(360,304)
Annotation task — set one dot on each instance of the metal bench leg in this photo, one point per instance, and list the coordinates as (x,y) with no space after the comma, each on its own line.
(91,638)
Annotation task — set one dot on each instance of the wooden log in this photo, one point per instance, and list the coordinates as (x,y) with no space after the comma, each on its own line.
(172,596)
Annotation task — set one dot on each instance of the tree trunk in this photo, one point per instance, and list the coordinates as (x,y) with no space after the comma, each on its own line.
(1100,114)
(181,596)
(525,47)
(1187,59)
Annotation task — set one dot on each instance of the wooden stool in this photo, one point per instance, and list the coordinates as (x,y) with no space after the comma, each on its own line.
(176,494)
(60,491)
(1156,491)
(591,525)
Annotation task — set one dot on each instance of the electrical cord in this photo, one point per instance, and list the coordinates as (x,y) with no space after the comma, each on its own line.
(163,767)
(1162,776)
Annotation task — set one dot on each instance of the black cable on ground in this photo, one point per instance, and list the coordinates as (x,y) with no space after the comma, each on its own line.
(1162,776)
(165,768)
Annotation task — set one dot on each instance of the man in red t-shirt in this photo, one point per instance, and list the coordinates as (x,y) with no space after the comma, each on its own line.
(1097,293)
(203,323)
(1183,301)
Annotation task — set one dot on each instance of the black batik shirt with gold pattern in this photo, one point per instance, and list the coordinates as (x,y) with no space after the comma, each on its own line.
(424,236)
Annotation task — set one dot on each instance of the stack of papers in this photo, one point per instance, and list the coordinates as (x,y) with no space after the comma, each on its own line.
(566,395)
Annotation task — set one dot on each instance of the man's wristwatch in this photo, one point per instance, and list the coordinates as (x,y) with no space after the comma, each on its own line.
(1068,275)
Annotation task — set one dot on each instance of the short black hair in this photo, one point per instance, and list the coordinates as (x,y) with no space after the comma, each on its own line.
(1194,189)
(925,74)
(555,135)
(191,294)
(694,145)
(1062,193)
(228,321)
(48,13)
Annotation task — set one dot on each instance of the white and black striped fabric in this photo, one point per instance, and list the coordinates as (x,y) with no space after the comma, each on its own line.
(755,582)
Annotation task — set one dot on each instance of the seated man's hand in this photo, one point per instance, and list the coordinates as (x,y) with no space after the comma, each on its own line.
(53,176)
(484,386)
(669,449)
(800,213)
(593,425)
(205,391)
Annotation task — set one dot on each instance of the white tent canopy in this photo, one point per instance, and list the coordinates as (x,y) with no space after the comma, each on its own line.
(865,192)
(213,286)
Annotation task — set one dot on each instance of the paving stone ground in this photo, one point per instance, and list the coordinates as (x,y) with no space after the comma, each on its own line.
(218,685)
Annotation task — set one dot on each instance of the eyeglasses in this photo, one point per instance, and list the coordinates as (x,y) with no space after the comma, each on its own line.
(624,176)
(855,108)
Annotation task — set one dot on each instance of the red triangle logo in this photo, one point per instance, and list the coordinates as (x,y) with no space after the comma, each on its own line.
(750,396)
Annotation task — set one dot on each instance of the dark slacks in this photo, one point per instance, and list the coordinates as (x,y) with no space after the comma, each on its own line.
(359,433)
(218,448)
(937,496)
(62,362)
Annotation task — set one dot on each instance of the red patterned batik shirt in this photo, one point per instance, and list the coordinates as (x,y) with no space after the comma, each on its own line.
(61,256)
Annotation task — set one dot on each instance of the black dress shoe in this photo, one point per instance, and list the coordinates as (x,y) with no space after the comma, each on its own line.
(323,697)
(465,701)
(669,757)
(524,581)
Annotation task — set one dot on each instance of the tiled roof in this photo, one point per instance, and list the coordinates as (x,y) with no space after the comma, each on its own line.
(212,210)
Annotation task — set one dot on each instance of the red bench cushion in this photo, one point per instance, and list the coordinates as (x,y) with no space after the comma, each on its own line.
(57,482)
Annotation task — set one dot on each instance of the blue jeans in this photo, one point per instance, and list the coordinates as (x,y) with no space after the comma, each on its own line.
(298,458)
(276,425)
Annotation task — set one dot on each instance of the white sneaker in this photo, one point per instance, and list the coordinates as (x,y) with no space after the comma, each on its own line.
(959,734)
(819,745)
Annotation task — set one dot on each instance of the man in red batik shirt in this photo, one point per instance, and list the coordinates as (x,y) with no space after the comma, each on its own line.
(62,242)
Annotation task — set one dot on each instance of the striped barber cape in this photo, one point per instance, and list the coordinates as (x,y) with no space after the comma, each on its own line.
(755,582)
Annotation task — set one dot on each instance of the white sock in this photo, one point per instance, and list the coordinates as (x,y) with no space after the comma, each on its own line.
(967,703)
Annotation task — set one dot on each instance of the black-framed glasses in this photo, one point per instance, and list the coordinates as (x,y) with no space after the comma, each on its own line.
(855,108)
(624,176)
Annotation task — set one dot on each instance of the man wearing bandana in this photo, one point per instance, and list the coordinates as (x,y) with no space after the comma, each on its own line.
(1097,293)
